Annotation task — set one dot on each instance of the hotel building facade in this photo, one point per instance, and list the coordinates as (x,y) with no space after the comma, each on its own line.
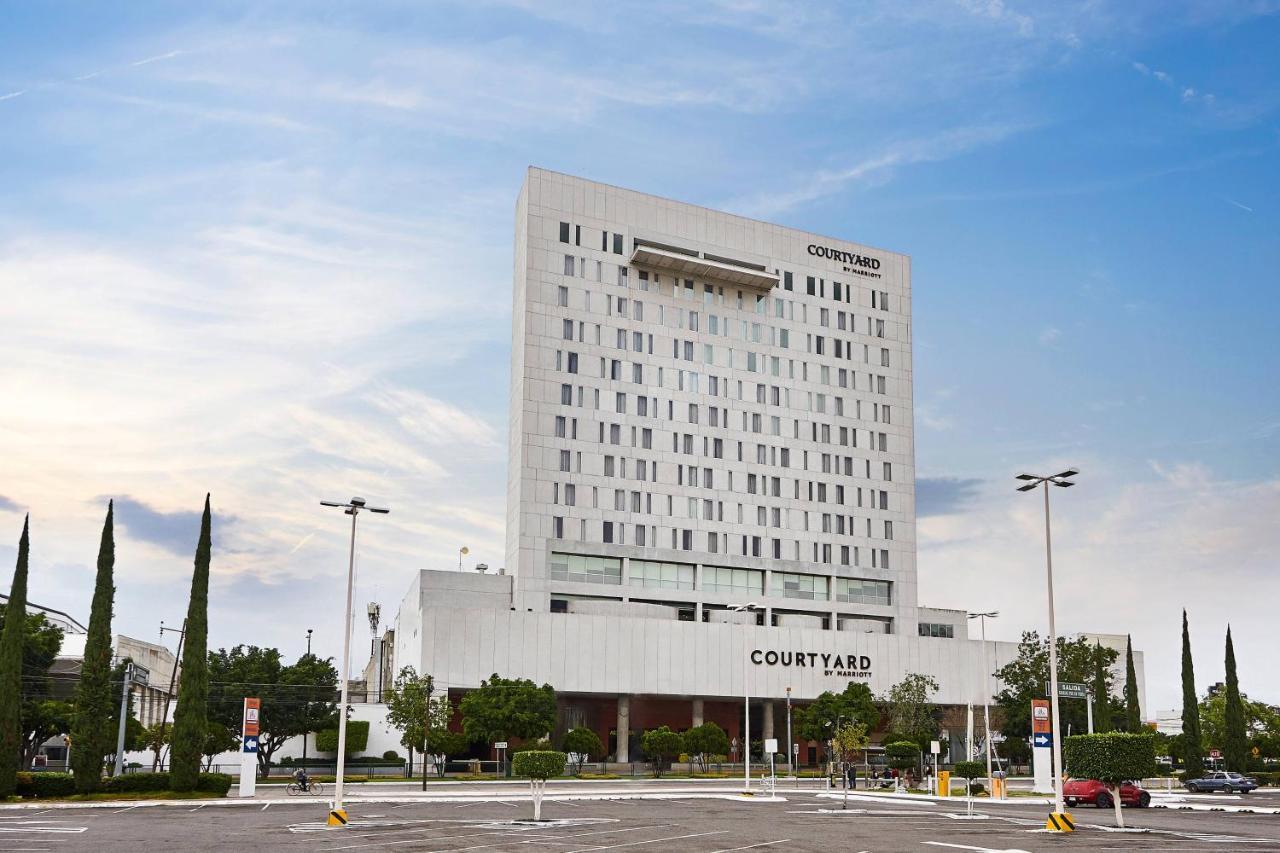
(707,412)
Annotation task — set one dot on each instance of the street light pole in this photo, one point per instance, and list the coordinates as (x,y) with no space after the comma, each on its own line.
(986,690)
(1063,481)
(791,747)
(351,508)
(309,640)
(746,708)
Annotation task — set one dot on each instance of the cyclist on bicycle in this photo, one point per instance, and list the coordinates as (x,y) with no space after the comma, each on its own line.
(300,776)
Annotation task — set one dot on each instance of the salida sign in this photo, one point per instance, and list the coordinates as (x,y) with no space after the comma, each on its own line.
(841,666)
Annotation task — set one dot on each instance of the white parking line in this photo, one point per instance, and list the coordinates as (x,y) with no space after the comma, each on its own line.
(754,846)
(264,808)
(651,841)
(980,849)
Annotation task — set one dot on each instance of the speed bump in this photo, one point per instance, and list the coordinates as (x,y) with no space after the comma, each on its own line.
(338,817)
(1060,822)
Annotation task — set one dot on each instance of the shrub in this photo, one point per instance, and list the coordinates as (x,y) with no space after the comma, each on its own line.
(970,769)
(976,788)
(391,755)
(46,785)
(660,745)
(902,755)
(538,764)
(137,783)
(357,738)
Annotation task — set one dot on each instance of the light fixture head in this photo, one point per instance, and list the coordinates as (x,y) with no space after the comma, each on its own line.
(1027,477)
(1028,487)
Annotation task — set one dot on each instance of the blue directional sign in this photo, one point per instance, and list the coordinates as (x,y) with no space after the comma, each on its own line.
(1044,739)
(250,744)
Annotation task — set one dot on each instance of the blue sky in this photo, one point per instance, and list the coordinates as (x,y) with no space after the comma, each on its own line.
(264,250)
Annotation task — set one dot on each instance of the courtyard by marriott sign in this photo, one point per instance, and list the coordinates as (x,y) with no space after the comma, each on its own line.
(841,666)
(850,261)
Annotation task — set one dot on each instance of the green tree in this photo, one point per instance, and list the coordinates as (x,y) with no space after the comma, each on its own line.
(1101,699)
(1235,747)
(11,643)
(1192,749)
(902,755)
(443,742)
(583,743)
(849,738)
(43,715)
(910,713)
(93,701)
(1132,711)
(706,740)
(661,746)
(968,771)
(191,718)
(1112,759)
(1024,679)
(503,708)
(217,740)
(295,699)
(819,719)
(538,766)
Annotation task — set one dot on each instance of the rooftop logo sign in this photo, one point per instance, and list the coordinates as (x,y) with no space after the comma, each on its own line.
(852,262)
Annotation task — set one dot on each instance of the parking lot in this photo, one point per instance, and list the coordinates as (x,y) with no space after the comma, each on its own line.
(697,821)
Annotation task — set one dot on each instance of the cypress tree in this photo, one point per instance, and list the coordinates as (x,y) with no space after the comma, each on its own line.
(191,719)
(1101,696)
(1192,751)
(91,735)
(1236,747)
(11,642)
(1132,712)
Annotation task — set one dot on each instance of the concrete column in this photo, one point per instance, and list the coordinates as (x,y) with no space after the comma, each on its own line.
(624,729)
(698,712)
(766,719)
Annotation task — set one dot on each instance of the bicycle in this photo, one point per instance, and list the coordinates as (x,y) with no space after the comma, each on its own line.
(293,789)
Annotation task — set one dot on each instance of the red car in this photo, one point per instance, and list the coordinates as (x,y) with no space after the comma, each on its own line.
(1077,791)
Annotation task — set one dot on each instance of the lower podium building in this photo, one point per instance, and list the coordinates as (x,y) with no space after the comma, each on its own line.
(711,477)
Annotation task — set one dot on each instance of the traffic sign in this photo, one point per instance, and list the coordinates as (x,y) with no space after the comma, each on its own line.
(1215,753)
(1069,690)
(1044,739)
(502,744)
(250,744)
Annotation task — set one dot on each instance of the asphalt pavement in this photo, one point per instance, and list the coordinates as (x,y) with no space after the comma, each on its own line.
(582,817)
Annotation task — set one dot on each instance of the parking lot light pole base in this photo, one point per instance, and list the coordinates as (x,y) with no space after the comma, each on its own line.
(1060,822)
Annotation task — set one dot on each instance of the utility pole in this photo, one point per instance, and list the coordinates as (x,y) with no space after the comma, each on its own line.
(791,747)
(173,678)
(126,682)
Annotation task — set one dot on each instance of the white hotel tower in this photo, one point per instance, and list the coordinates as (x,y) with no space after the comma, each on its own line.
(706,412)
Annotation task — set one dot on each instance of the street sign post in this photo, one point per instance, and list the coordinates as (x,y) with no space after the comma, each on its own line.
(1041,745)
(1070,690)
(249,746)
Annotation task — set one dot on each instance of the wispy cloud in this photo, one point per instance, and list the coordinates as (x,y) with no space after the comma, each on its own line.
(1187,94)
(878,167)
(170,55)
(9,505)
(1049,336)
(1238,204)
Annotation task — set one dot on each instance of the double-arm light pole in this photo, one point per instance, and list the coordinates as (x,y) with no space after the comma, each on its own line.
(986,689)
(352,508)
(1032,481)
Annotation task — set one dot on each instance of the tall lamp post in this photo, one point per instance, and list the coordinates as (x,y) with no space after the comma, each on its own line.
(746,708)
(986,689)
(791,747)
(309,640)
(1032,481)
(462,552)
(352,508)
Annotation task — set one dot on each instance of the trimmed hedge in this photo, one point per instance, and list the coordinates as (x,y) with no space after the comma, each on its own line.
(34,785)
(1110,758)
(539,764)
(969,770)
(133,783)
(44,785)
(357,738)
